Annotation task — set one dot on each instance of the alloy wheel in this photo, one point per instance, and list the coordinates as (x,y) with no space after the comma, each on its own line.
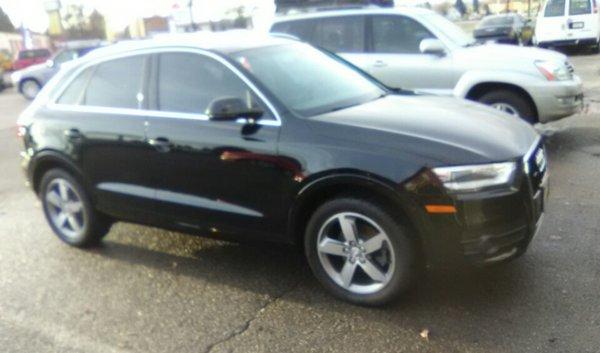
(356,253)
(30,89)
(65,208)
(505,107)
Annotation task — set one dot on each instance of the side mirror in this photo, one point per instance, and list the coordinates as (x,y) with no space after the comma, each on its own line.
(50,63)
(432,46)
(231,108)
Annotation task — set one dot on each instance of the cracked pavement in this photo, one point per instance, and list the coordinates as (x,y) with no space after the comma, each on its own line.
(149,290)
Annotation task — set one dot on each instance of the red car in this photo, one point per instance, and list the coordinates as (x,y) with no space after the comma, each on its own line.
(30,57)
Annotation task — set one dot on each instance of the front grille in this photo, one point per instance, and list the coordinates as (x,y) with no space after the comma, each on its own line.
(570,67)
(536,166)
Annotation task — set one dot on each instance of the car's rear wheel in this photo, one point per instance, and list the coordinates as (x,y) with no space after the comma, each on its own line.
(511,103)
(30,88)
(69,211)
(359,252)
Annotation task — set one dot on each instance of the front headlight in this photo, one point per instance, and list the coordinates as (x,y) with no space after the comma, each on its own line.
(553,71)
(476,177)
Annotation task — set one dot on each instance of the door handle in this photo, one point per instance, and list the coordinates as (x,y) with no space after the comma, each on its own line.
(161,144)
(73,134)
(379,63)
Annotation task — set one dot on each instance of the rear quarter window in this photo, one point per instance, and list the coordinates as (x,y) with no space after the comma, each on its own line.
(302,29)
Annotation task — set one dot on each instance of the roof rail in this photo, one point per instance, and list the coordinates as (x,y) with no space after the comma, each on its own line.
(284,36)
(309,9)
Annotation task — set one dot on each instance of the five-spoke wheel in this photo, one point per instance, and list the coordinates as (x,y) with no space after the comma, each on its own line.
(355,252)
(68,209)
(359,251)
(65,208)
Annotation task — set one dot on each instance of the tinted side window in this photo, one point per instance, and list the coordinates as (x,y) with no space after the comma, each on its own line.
(116,83)
(302,29)
(188,83)
(398,35)
(579,7)
(344,34)
(555,8)
(75,91)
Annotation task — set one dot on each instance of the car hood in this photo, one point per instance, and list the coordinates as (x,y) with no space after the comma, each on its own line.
(508,54)
(444,130)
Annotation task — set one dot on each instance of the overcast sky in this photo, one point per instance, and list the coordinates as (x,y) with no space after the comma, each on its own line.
(120,13)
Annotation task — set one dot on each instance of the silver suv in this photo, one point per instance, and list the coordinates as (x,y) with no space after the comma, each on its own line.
(417,49)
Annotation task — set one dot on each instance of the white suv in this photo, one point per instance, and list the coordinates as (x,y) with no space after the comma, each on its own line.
(418,49)
(568,22)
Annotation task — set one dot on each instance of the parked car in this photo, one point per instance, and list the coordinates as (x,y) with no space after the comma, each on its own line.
(568,23)
(418,49)
(28,57)
(30,81)
(506,28)
(2,83)
(245,136)
(5,60)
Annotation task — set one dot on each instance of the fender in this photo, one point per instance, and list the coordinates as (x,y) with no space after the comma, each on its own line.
(472,78)
(50,156)
(379,186)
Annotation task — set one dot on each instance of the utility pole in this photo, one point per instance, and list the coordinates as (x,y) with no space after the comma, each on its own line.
(192,23)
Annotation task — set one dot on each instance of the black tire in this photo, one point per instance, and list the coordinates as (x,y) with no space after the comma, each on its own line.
(95,226)
(23,90)
(405,264)
(520,104)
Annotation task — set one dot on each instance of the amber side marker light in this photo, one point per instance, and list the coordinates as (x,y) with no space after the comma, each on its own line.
(440,208)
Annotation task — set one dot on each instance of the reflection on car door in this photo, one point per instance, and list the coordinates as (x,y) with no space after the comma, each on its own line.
(397,61)
(211,174)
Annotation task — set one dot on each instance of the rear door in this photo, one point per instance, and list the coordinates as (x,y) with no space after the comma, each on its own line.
(582,22)
(345,36)
(397,61)
(552,22)
(99,118)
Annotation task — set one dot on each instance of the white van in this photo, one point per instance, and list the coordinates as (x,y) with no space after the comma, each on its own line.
(568,23)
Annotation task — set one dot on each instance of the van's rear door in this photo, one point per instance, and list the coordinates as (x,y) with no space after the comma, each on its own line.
(551,23)
(582,21)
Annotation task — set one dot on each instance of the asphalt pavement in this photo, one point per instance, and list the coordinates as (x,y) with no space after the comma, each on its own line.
(150,290)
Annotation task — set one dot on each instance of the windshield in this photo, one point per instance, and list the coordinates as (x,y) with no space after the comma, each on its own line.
(449,30)
(306,80)
(496,21)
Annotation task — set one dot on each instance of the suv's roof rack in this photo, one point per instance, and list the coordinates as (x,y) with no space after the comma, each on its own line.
(323,8)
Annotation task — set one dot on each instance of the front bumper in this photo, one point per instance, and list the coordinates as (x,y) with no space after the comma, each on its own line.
(555,100)
(489,226)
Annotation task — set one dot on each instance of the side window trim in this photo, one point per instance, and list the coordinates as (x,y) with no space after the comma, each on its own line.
(53,104)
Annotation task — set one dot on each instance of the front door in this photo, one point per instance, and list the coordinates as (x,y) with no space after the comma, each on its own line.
(397,61)
(211,174)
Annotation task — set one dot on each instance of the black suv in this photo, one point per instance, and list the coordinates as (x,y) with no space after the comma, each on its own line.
(258,137)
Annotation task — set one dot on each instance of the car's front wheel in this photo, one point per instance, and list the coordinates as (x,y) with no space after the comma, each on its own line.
(30,88)
(69,211)
(511,103)
(359,252)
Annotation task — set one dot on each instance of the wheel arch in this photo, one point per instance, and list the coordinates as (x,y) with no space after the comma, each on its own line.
(46,160)
(477,91)
(25,79)
(328,187)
